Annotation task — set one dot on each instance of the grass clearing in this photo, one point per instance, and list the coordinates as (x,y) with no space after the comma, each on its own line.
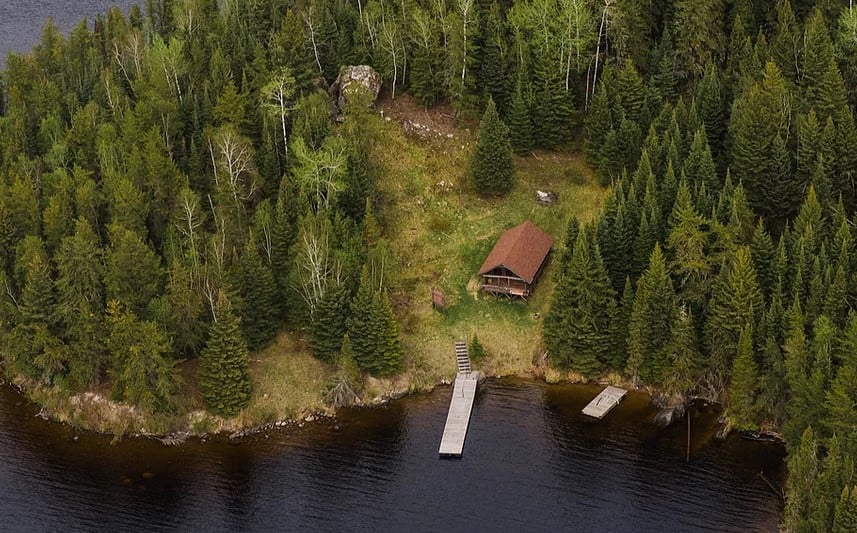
(440,232)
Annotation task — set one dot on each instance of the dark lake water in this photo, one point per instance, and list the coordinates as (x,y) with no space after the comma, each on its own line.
(531,463)
(21,21)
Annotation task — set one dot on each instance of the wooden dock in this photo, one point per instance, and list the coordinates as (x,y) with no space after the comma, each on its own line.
(460,406)
(604,402)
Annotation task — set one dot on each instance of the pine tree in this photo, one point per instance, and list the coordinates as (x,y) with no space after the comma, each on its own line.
(491,166)
(224,377)
(651,319)
(259,310)
(745,384)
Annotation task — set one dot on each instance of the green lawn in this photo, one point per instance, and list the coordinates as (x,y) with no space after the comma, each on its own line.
(440,233)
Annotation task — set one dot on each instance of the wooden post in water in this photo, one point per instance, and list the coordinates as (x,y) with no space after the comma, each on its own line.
(687,412)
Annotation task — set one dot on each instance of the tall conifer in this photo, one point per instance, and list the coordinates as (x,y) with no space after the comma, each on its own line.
(224,376)
(491,167)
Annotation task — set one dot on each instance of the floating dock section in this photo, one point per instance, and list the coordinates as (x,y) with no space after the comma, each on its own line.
(604,402)
(460,406)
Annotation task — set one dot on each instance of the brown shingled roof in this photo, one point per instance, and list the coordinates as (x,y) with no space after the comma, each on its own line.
(521,249)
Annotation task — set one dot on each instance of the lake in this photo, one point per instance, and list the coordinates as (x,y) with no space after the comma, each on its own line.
(531,462)
(21,21)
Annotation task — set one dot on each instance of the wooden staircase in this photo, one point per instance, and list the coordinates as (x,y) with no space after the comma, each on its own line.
(462,356)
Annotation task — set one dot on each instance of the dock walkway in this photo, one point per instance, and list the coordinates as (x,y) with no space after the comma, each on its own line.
(460,406)
(604,402)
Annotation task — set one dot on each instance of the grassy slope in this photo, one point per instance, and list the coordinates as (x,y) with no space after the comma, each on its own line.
(441,233)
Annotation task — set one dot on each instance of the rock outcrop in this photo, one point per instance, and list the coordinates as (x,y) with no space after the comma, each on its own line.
(352,78)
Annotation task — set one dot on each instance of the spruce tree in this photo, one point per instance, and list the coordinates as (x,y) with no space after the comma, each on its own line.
(712,110)
(328,323)
(259,310)
(745,384)
(699,166)
(133,273)
(762,252)
(80,302)
(391,353)
(491,167)
(759,156)
(598,124)
(622,324)
(364,337)
(577,328)
(553,105)
(519,119)
(683,354)
(651,320)
(803,471)
(840,412)
(141,370)
(845,519)
(374,330)
(630,92)
(736,303)
(36,324)
(687,248)
(224,369)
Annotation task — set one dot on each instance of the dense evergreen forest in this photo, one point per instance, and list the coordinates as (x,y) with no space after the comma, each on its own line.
(174,187)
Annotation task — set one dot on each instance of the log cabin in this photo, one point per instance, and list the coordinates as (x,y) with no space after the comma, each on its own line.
(516,261)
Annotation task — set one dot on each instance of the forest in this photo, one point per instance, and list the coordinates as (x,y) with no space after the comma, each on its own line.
(175,187)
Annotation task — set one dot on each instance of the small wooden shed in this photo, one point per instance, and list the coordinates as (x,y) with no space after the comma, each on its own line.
(516,261)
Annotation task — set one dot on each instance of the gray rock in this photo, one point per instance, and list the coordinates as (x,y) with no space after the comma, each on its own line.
(546,197)
(352,78)
(668,415)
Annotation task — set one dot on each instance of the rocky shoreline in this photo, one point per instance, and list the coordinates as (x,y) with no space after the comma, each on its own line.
(93,412)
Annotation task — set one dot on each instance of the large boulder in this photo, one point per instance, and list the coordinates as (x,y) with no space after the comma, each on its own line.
(352,78)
